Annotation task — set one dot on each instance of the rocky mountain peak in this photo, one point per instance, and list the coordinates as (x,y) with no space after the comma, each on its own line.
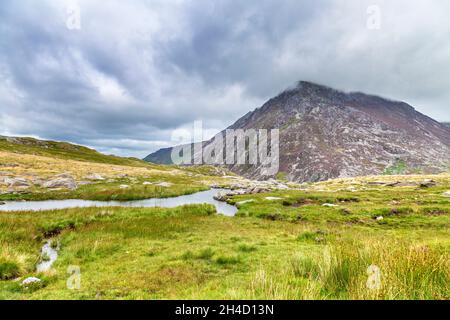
(326,133)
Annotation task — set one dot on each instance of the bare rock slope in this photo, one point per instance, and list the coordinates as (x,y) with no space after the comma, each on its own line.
(325,134)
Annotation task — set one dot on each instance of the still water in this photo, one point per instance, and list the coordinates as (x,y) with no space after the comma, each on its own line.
(196,198)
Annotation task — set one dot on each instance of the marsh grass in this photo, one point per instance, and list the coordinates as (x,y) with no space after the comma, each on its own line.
(228,260)
(408,272)
(9,270)
(191,253)
(247,248)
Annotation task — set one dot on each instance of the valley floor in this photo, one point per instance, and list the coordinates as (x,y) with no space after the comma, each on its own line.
(288,247)
(362,238)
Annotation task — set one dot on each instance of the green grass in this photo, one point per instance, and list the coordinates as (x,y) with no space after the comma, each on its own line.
(63,150)
(293,247)
(399,167)
(191,253)
(105,191)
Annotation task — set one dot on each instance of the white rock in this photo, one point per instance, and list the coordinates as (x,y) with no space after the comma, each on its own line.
(246,201)
(30,281)
(380,218)
(165,184)
(94,176)
(446,194)
(330,205)
(146,183)
(273,198)
(124,186)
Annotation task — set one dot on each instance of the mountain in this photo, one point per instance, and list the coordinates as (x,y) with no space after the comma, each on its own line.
(326,133)
(447,124)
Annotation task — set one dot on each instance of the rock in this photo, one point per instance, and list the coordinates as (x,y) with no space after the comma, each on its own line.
(164,184)
(146,183)
(330,205)
(446,194)
(273,198)
(122,176)
(244,202)
(238,187)
(64,175)
(16,182)
(221,196)
(2,203)
(380,218)
(38,182)
(428,184)
(31,281)
(9,165)
(67,183)
(94,176)
(124,186)
(376,183)
(402,184)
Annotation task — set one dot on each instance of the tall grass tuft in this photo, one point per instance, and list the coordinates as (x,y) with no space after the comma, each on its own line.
(405,272)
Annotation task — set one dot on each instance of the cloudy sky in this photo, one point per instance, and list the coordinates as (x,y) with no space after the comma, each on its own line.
(127,74)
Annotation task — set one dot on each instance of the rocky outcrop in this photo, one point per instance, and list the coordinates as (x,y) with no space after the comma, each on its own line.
(65,182)
(16,182)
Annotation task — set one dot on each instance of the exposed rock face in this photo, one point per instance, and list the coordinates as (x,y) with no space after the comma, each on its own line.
(327,134)
(16,182)
(66,183)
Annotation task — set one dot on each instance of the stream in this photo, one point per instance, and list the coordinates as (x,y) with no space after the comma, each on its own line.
(50,254)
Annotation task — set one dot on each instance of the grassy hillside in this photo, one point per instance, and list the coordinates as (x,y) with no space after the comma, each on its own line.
(38,161)
(62,150)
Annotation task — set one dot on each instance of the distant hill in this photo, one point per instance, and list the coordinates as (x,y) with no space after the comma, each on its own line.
(326,133)
(62,150)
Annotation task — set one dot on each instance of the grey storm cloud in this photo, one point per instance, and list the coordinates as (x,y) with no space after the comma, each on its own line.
(138,70)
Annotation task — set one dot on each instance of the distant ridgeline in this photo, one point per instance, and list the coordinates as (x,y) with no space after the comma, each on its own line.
(63,150)
(326,133)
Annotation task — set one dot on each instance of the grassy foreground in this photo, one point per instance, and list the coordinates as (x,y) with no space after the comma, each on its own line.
(340,239)
(192,253)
